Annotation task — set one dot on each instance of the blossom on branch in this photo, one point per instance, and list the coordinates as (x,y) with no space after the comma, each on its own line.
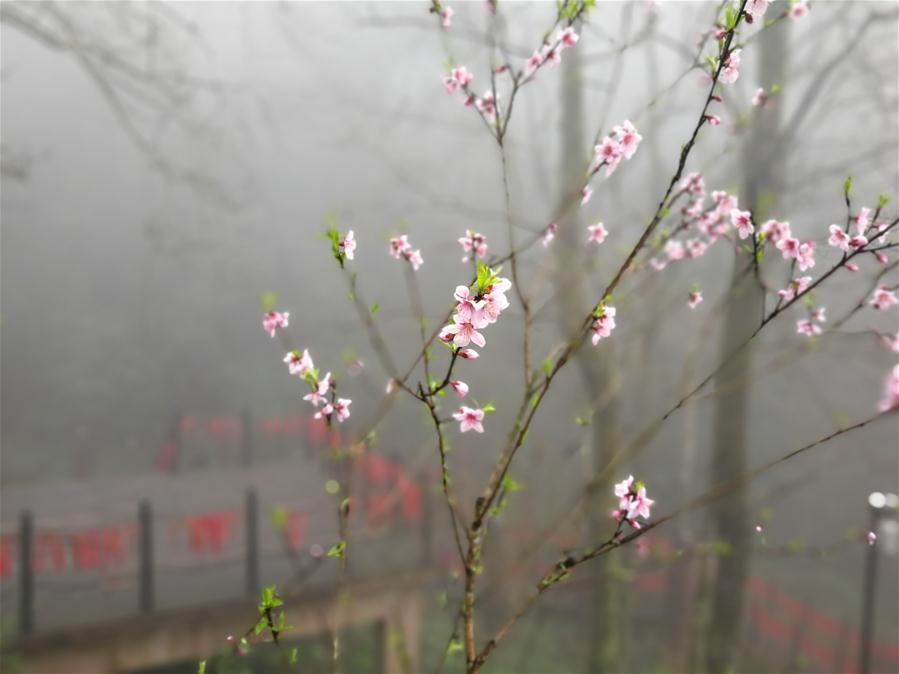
(632,502)
(470,419)
(274,320)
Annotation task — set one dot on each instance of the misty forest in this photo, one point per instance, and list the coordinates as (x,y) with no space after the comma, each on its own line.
(466,336)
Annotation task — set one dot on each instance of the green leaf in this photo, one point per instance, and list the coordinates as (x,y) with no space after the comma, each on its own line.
(847,185)
(374,308)
(268,300)
(260,626)
(294,652)
(489,407)
(511,485)
(337,550)
(547,366)
(201,667)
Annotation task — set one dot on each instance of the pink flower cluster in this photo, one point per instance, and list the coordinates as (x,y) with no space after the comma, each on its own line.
(459,78)
(603,323)
(796,287)
(551,51)
(621,144)
(811,326)
(475,311)
(322,394)
(274,320)
(883,298)
(474,243)
(632,502)
(401,249)
(731,70)
(702,226)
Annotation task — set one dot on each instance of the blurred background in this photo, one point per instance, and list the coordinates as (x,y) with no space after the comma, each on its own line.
(167,172)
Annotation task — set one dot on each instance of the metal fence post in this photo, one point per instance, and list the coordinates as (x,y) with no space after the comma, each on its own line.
(251,522)
(26,573)
(145,568)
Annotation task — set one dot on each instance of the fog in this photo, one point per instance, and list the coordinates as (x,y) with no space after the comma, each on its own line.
(168,173)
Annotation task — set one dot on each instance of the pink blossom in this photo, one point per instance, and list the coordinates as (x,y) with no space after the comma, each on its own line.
(318,395)
(675,250)
(475,243)
(348,245)
(819,315)
(696,247)
(862,219)
(468,354)
(755,9)
(797,287)
(807,328)
(586,193)
(806,255)
(299,364)
(731,71)
(470,419)
(623,488)
(461,75)
(398,246)
(608,152)
(694,184)
(534,61)
(775,230)
(838,238)
(568,38)
(274,320)
(603,324)
(799,9)
(460,387)
(487,105)
(596,233)
(714,120)
(694,299)
(890,341)
(446,16)
(550,234)
(851,266)
(414,258)
(552,55)
(628,138)
(657,263)
(871,538)
(342,409)
(789,247)
(890,399)
(857,242)
(759,98)
(464,332)
(391,386)
(883,298)
(632,502)
(742,220)
(325,412)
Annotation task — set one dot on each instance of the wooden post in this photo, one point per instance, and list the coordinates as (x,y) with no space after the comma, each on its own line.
(26,573)
(145,562)
(251,522)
